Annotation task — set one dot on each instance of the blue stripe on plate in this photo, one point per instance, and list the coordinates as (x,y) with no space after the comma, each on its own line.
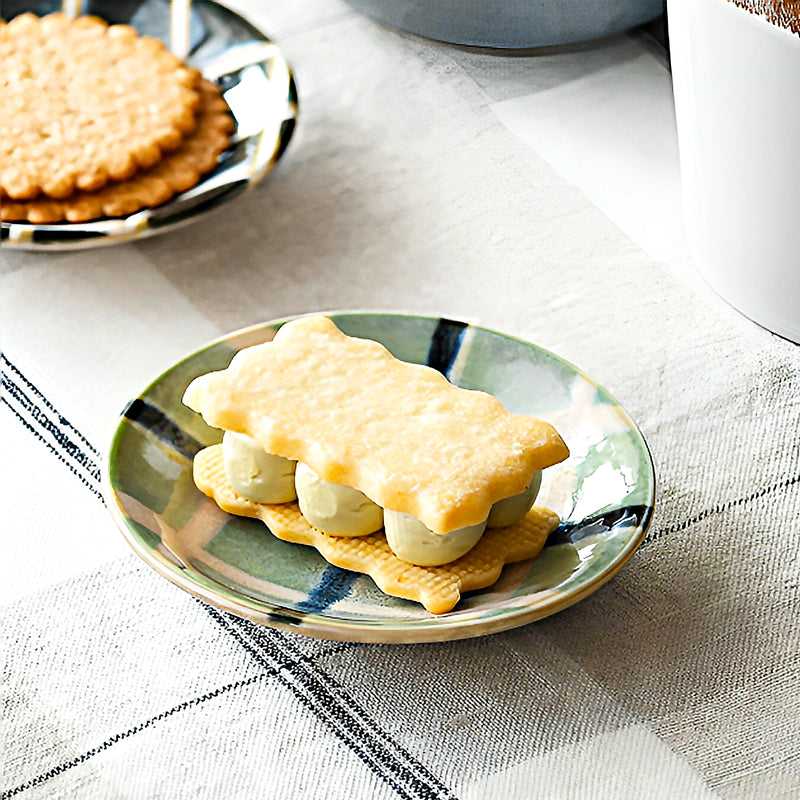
(445,344)
(155,421)
(334,585)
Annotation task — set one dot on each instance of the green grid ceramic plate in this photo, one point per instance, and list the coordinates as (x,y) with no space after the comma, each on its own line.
(603,493)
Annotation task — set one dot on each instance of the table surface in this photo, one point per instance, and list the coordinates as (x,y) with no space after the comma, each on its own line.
(533,193)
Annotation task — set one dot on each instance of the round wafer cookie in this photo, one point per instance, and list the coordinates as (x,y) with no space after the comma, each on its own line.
(84,103)
(177,172)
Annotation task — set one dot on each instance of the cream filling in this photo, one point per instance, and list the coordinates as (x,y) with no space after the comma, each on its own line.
(255,474)
(412,541)
(343,511)
(512,509)
(333,508)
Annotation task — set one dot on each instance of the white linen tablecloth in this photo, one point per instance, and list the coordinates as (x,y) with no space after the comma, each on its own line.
(535,194)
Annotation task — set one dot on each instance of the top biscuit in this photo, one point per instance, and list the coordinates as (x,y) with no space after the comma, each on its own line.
(84,103)
(400,433)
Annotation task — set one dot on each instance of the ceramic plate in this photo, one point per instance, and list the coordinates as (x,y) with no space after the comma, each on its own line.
(603,493)
(257,84)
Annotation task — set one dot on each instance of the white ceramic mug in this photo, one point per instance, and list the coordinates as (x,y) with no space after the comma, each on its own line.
(736,80)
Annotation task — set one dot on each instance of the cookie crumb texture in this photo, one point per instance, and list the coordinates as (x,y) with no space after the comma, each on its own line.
(178,171)
(85,103)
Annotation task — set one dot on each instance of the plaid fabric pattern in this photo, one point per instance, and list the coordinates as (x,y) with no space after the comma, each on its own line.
(679,678)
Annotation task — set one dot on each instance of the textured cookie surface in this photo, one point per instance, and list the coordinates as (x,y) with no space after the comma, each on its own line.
(398,432)
(85,103)
(176,172)
(438,589)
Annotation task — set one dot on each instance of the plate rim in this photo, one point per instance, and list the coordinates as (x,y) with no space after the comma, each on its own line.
(436,628)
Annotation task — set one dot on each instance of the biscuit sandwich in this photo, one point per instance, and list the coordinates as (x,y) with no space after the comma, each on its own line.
(385,467)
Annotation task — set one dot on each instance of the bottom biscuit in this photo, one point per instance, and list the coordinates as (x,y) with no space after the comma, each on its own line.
(438,589)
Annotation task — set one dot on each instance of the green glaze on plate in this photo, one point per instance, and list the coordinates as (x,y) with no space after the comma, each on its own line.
(603,492)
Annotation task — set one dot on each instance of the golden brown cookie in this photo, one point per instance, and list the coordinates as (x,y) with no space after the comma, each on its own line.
(176,172)
(438,588)
(84,103)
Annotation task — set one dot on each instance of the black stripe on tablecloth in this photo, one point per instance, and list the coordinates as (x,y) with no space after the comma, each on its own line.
(310,684)
(118,737)
(322,694)
(38,415)
(720,508)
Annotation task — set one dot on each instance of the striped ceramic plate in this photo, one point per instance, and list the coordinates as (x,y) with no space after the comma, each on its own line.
(604,494)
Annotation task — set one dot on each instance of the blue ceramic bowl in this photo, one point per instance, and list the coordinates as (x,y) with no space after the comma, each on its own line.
(511,23)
